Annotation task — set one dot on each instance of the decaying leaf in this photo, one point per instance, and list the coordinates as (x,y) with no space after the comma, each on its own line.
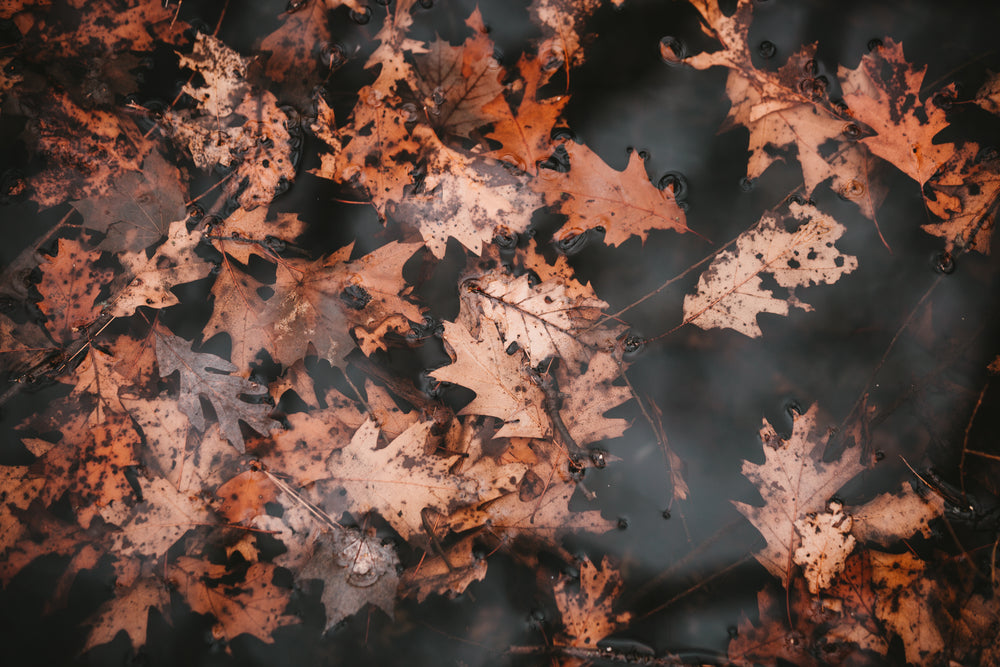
(203,374)
(793,481)
(587,613)
(730,294)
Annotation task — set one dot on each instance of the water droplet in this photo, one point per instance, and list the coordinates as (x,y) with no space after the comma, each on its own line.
(746,184)
(676,183)
(879,455)
(644,154)
(852,131)
(633,344)
(874,44)
(944,100)
(563,134)
(672,51)
(623,523)
(438,96)
(355,297)
(274,244)
(294,6)
(853,189)
(733,632)
(666,514)
(571,244)
(801,201)
(332,55)
(944,263)
(767,49)
(810,67)
(505,238)
(599,458)
(195,212)
(362,17)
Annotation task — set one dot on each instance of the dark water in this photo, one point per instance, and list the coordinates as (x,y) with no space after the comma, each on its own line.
(687,578)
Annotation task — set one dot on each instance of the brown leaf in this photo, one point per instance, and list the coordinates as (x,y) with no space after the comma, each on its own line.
(128,611)
(200,377)
(594,195)
(401,480)
(457,82)
(311,302)
(965,195)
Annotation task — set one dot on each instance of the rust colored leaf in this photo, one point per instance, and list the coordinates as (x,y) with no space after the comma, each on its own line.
(245,496)
(884,94)
(594,195)
(128,612)
(402,479)
(587,614)
(254,606)
(71,282)
(965,195)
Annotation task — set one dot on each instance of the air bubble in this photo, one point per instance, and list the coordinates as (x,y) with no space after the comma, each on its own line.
(874,44)
(623,523)
(632,344)
(767,49)
(676,183)
(599,458)
(852,131)
(672,51)
(944,263)
(274,244)
(332,55)
(195,212)
(853,189)
(810,67)
(644,154)
(362,17)
(512,348)
(879,455)
(505,238)
(944,100)
(571,244)
(666,514)
(746,184)
(294,6)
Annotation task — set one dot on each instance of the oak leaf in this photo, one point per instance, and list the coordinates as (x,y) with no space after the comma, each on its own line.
(592,195)
(730,293)
(206,375)
(71,283)
(316,302)
(826,542)
(139,207)
(586,613)
(128,612)
(235,126)
(965,194)
(793,481)
(434,575)
(402,480)
(501,382)
(903,589)
(464,197)
(525,135)
(355,568)
(255,605)
(544,319)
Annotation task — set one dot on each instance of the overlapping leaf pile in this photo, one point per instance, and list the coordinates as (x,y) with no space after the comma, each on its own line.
(169,455)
